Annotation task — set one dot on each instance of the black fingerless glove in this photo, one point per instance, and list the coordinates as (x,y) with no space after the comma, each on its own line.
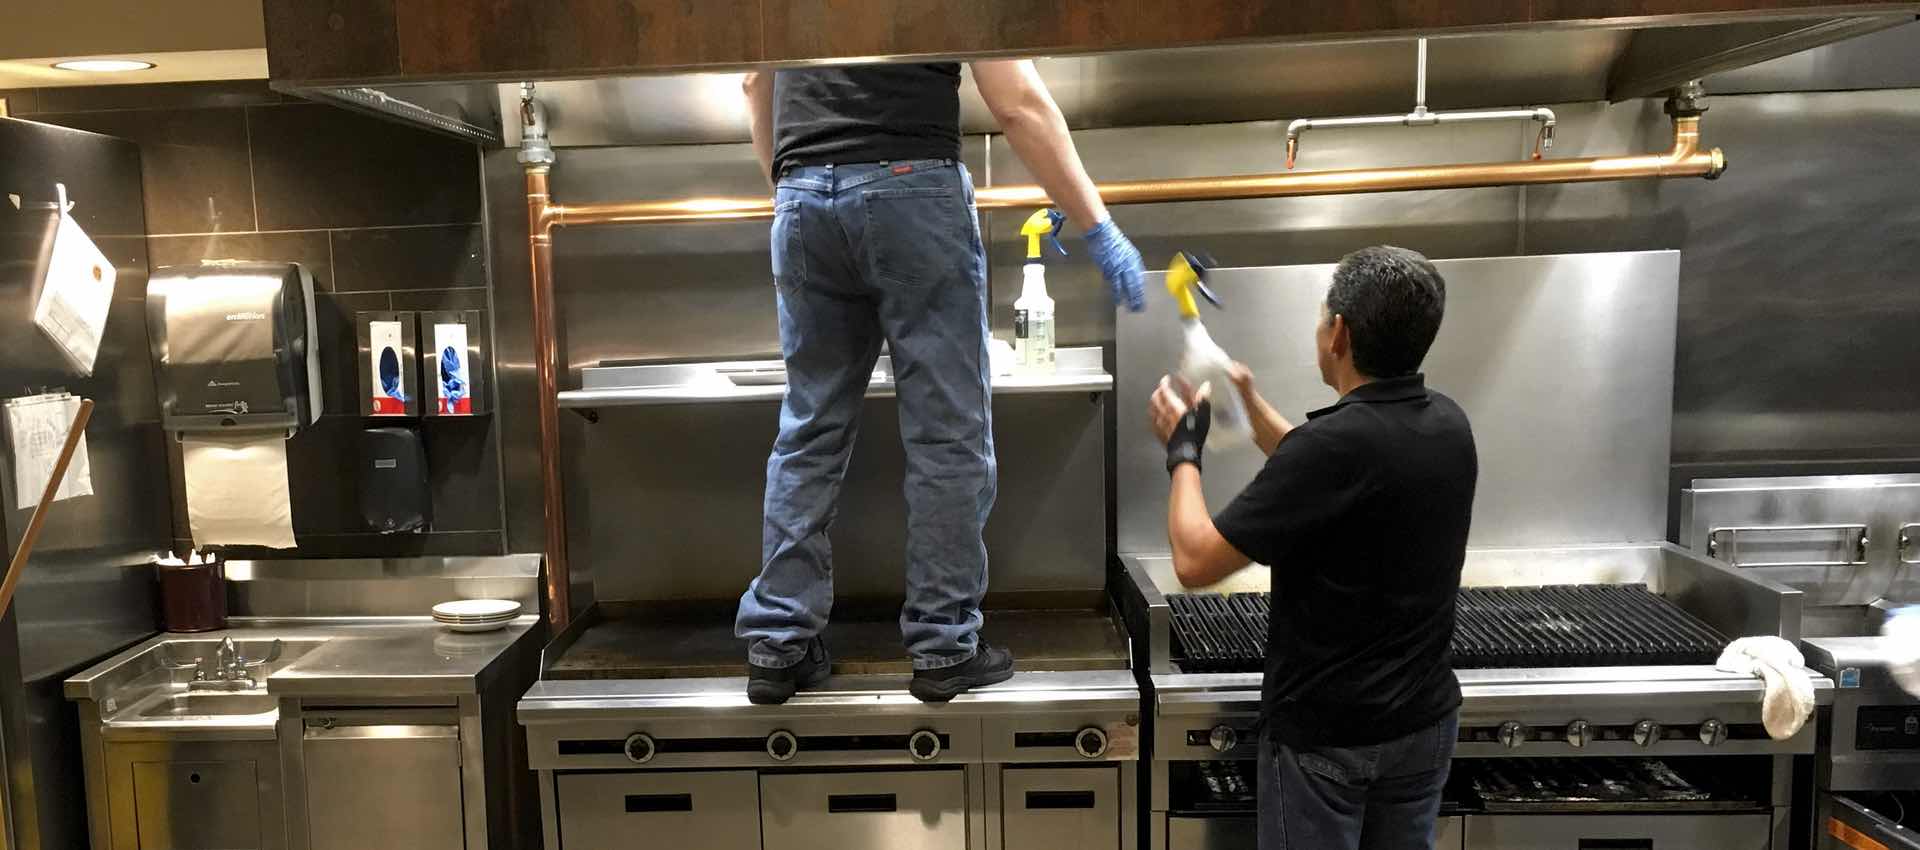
(1189,437)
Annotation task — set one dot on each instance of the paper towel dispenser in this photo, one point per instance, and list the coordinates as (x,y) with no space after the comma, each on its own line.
(236,346)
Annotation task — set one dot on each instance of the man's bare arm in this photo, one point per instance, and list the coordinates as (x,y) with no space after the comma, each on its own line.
(1200,555)
(1034,126)
(759,88)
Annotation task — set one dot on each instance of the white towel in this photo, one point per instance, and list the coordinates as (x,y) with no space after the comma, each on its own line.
(1789,698)
(1902,647)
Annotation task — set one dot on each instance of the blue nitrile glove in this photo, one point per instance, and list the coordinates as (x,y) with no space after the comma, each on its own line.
(1120,264)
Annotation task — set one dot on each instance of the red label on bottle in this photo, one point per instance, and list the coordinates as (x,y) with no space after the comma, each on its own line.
(903,169)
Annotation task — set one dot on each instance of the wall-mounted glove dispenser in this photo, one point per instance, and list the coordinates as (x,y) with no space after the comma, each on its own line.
(389,354)
(454,363)
(236,346)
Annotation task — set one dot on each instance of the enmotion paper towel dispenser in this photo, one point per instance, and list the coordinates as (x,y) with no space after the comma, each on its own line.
(236,346)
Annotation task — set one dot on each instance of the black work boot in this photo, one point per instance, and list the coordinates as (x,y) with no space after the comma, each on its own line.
(990,665)
(775,685)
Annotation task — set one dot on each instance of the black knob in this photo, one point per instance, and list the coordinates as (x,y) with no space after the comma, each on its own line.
(639,748)
(924,745)
(782,745)
(1090,742)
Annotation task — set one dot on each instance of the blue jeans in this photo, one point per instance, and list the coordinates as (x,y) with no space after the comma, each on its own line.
(1380,797)
(865,253)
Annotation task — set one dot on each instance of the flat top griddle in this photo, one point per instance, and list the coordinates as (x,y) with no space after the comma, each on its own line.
(631,645)
(1552,626)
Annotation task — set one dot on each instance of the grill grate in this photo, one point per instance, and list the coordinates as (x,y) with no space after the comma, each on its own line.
(1552,626)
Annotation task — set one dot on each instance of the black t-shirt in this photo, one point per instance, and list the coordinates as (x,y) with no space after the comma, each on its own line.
(1362,513)
(865,113)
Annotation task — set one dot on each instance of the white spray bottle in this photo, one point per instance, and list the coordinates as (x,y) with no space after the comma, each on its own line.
(1033,311)
(1201,359)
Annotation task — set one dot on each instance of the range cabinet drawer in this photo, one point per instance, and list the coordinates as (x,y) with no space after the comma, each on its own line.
(1073,808)
(1620,832)
(611,811)
(1214,832)
(1239,831)
(922,810)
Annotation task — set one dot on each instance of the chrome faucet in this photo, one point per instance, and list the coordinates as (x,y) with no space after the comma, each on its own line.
(231,669)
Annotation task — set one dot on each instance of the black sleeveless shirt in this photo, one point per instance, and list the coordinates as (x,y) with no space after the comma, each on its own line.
(865,113)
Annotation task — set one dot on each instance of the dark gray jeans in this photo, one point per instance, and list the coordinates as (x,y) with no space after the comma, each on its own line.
(1380,797)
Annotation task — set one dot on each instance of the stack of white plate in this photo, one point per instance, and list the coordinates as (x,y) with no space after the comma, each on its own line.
(476,615)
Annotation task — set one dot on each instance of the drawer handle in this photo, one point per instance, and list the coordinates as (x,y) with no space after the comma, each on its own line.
(1059,799)
(646,803)
(1616,844)
(857,803)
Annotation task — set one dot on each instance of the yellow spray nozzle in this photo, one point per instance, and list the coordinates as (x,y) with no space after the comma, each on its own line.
(1044,223)
(1186,275)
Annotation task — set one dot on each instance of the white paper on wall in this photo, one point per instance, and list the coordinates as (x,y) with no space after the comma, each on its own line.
(36,430)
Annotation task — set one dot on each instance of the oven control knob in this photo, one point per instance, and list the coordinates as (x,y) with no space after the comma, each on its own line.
(1090,742)
(1512,735)
(924,745)
(639,748)
(1579,732)
(782,746)
(1223,738)
(1713,733)
(1646,733)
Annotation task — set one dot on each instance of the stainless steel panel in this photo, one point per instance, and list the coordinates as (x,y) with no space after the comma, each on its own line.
(832,811)
(191,805)
(1800,242)
(89,589)
(1572,430)
(383,786)
(1658,832)
(1224,832)
(1060,808)
(602,811)
(1462,223)
(1889,59)
(1877,505)
(685,523)
(1217,84)
(391,587)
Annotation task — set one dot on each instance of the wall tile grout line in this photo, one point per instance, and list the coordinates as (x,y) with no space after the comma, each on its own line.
(333,269)
(258,232)
(253,184)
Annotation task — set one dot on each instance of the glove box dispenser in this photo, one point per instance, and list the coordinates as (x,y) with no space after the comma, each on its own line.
(453,363)
(389,381)
(236,346)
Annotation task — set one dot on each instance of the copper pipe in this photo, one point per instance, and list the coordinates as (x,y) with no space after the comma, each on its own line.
(546,366)
(1684,160)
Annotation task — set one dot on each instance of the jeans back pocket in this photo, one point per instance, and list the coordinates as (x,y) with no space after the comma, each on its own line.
(919,235)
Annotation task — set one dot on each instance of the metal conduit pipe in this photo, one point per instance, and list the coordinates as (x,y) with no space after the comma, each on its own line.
(1685,159)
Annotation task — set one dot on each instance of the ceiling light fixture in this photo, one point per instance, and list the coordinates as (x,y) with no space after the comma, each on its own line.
(103,66)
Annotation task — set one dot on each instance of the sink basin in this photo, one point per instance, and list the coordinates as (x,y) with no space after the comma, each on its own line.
(206,704)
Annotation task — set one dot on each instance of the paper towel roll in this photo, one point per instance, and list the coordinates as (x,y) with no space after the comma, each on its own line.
(237,493)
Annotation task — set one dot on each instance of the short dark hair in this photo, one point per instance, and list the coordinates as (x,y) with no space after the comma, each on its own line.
(1392,300)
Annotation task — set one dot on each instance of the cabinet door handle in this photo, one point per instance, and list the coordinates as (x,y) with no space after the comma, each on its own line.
(647,803)
(1616,844)
(1060,799)
(856,803)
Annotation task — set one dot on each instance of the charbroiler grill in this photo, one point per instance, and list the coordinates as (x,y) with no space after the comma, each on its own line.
(1591,710)
(1553,626)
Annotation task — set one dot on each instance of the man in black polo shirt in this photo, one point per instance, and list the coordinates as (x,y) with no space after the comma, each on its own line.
(1362,513)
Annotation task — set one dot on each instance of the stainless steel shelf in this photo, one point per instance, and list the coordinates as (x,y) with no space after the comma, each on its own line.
(1080,370)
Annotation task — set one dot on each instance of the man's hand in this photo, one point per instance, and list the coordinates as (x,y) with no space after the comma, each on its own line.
(1269,427)
(1120,264)
(1181,417)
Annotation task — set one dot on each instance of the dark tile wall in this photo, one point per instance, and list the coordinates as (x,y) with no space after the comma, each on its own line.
(385,216)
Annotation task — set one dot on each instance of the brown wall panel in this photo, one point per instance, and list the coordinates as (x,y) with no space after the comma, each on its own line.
(318,39)
(439,37)
(1575,10)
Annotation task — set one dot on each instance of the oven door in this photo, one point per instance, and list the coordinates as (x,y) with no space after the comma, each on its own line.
(1849,824)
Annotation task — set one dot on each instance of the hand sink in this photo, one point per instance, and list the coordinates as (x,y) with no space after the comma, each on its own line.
(187,706)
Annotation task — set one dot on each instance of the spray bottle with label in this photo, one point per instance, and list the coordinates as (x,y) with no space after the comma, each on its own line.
(1201,359)
(1033,311)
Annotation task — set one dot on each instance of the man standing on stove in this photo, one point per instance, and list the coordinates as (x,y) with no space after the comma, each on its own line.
(1362,513)
(875,239)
